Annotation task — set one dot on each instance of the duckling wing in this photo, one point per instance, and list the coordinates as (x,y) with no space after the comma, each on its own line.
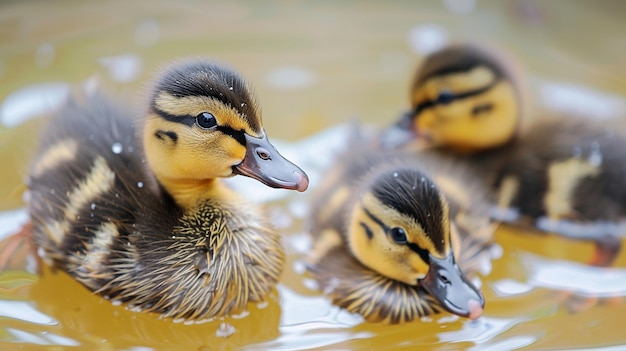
(88,185)
(571,169)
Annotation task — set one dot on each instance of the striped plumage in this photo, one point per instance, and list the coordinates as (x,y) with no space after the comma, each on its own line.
(367,193)
(561,174)
(185,248)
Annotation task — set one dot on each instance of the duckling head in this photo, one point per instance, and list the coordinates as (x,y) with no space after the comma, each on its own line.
(462,98)
(400,228)
(204,123)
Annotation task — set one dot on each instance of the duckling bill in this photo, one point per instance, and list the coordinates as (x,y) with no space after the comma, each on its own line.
(146,220)
(387,243)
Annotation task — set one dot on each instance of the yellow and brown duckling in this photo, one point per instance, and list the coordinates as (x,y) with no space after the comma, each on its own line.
(560,174)
(389,230)
(135,210)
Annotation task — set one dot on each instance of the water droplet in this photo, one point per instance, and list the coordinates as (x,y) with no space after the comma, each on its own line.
(231,88)
(225,330)
(241,315)
(116,148)
(243,104)
(93,206)
(140,184)
(117,195)
(395,174)
(423,179)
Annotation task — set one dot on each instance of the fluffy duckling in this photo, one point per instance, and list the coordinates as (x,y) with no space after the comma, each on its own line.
(136,211)
(563,175)
(389,230)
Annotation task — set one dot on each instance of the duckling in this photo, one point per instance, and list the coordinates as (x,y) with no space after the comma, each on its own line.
(389,230)
(135,210)
(565,175)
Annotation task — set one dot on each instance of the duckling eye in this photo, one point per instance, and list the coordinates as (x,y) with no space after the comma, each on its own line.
(445,97)
(206,120)
(398,235)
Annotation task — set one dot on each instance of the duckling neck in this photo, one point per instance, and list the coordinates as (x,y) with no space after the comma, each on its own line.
(188,193)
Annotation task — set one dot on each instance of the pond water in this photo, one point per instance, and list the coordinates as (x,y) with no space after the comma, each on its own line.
(315,65)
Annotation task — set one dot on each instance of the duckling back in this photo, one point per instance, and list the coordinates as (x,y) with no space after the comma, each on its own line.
(88,160)
(568,169)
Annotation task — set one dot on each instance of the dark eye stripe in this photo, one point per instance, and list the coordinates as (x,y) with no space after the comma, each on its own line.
(430,103)
(367,229)
(424,254)
(189,121)
(238,135)
(376,219)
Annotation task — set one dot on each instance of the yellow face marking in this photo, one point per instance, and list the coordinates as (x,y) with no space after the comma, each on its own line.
(476,122)
(194,105)
(508,191)
(455,239)
(187,166)
(380,252)
(563,178)
(445,226)
(476,78)
(63,151)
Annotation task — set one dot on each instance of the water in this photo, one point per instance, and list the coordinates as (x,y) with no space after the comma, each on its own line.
(315,66)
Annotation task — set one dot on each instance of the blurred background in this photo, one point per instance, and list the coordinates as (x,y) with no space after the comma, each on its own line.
(314,65)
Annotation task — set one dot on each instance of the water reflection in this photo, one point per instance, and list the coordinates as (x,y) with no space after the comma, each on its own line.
(43,338)
(24,311)
(571,276)
(480,331)
(32,101)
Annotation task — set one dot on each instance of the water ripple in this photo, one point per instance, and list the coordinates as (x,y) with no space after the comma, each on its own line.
(32,101)
(25,312)
(571,276)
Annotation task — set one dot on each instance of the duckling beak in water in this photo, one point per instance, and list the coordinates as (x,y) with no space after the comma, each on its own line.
(263,163)
(446,283)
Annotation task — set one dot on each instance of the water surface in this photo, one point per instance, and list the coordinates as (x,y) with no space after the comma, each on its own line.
(315,65)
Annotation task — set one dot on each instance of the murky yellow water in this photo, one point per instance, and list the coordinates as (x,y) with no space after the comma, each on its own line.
(314,64)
